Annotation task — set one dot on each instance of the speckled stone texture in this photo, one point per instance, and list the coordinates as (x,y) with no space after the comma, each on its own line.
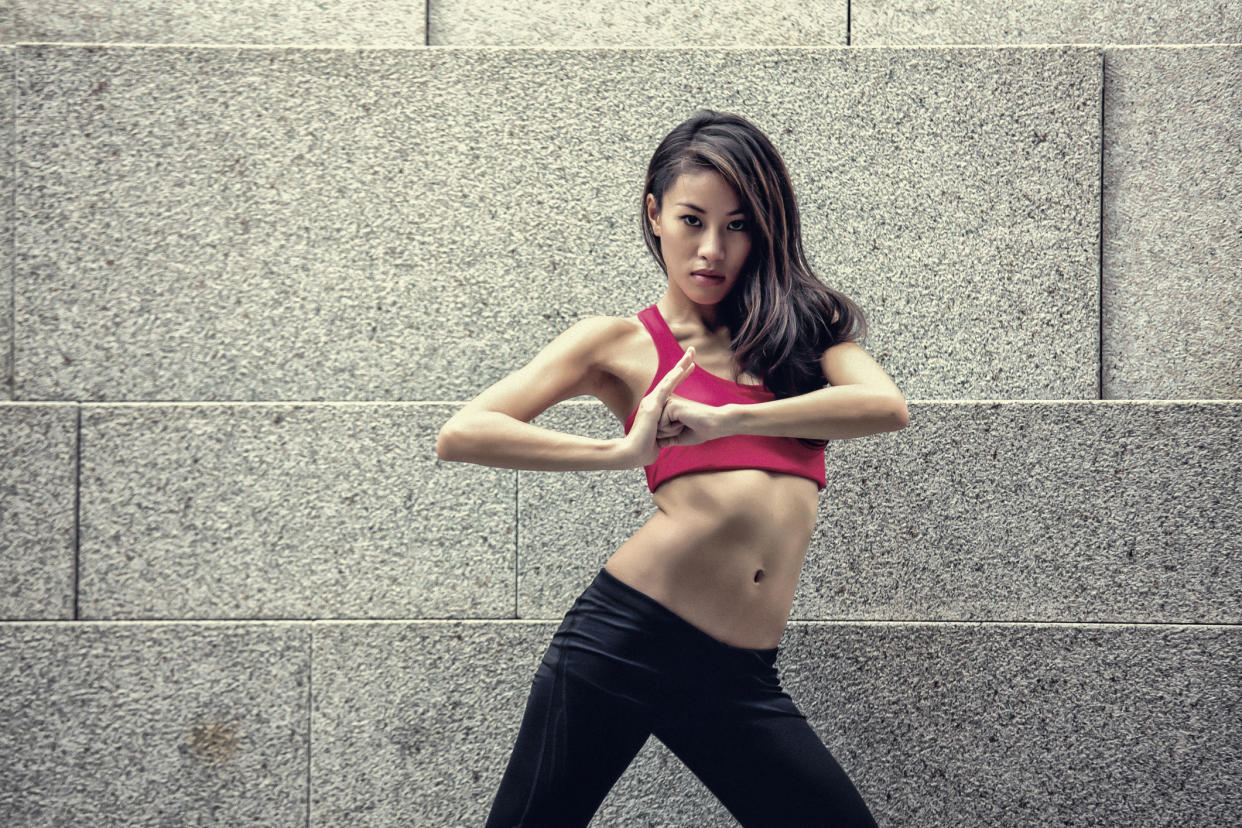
(6,219)
(288,511)
(904,22)
(413,722)
(998,724)
(937,724)
(645,23)
(571,522)
(38,478)
(249,224)
(258,220)
(154,724)
(1173,222)
(1075,511)
(293,23)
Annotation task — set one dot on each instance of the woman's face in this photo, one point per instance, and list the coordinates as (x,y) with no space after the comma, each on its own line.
(702,227)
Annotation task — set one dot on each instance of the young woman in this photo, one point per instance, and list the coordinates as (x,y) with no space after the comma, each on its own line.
(721,388)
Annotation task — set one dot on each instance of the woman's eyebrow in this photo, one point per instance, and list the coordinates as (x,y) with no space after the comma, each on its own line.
(738,211)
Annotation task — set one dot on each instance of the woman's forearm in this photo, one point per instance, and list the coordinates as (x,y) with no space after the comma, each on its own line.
(491,438)
(831,413)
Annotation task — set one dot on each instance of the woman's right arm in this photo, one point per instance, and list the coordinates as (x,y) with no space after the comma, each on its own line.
(494,428)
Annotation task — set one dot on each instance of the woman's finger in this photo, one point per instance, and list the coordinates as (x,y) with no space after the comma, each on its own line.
(678,373)
(670,429)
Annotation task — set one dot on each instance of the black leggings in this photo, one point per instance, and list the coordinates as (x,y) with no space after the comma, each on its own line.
(622,666)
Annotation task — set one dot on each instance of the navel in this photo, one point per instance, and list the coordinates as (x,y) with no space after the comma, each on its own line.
(758,575)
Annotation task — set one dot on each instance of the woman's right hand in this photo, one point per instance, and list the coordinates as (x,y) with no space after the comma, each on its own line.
(642,445)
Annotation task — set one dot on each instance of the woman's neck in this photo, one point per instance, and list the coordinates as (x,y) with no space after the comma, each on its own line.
(676,307)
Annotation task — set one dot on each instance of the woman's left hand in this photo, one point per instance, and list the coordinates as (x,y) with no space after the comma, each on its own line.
(686,422)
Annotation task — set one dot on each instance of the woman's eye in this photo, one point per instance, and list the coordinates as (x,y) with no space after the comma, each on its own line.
(693,221)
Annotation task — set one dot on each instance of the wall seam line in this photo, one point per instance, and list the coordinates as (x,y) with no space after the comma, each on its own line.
(77,514)
(11,379)
(310,677)
(535,619)
(516,530)
(1099,363)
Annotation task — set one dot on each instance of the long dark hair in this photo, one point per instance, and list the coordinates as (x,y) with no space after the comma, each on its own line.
(781,317)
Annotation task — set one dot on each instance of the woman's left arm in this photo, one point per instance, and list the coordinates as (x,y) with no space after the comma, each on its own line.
(861,400)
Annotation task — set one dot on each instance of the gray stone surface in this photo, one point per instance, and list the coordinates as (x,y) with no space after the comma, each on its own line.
(246,224)
(154,724)
(571,522)
(904,22)
(282,22)
(6,220)
(937,724)
(979,270)
(1072,511)
(1173,222)
(38,526)
(6,157)
(999,724)
(279,511)
(413,722)
(647,23)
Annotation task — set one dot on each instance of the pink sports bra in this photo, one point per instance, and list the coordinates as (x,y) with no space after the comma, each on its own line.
(737,451)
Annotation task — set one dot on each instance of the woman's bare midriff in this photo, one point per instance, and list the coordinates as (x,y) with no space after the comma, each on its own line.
(724,551)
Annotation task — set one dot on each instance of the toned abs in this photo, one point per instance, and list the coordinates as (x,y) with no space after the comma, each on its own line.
(724,549)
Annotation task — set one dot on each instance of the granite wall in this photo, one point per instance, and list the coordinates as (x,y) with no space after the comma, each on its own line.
(258,252)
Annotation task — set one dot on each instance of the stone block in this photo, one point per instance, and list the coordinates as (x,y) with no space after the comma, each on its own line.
(413,722)
(1172,300)
(571,522)
(927,22)
(288,511)
(256,224)
(1031,511)
(38,512)
(154,724)
(1027,724)
(1014,511)
(937,724)
(361,23)
(710,24)
(6,215)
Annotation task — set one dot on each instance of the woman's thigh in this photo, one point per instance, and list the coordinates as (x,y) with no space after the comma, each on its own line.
(576,739)
(768,770)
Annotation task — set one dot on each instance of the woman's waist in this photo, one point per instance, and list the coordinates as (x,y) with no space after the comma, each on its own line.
(628,645)
(757,500)
(734,582)
(615,613)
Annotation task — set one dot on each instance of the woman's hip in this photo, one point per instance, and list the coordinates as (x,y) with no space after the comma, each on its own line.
(624,642)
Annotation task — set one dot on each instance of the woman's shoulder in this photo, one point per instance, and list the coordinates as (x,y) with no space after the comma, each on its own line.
(622,357)
(606,331)
(617,346)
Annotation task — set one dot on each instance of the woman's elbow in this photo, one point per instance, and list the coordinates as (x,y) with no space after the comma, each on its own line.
(467,437)
(899,414)
(448,442)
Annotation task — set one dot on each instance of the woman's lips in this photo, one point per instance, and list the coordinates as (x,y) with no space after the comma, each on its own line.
(707,278)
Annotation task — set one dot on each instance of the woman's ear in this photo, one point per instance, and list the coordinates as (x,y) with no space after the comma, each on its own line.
(653,214)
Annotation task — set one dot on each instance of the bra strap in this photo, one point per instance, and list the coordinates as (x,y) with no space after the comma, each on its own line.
(666,345)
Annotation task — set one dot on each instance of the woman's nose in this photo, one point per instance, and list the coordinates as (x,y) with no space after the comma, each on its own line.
(712,247)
